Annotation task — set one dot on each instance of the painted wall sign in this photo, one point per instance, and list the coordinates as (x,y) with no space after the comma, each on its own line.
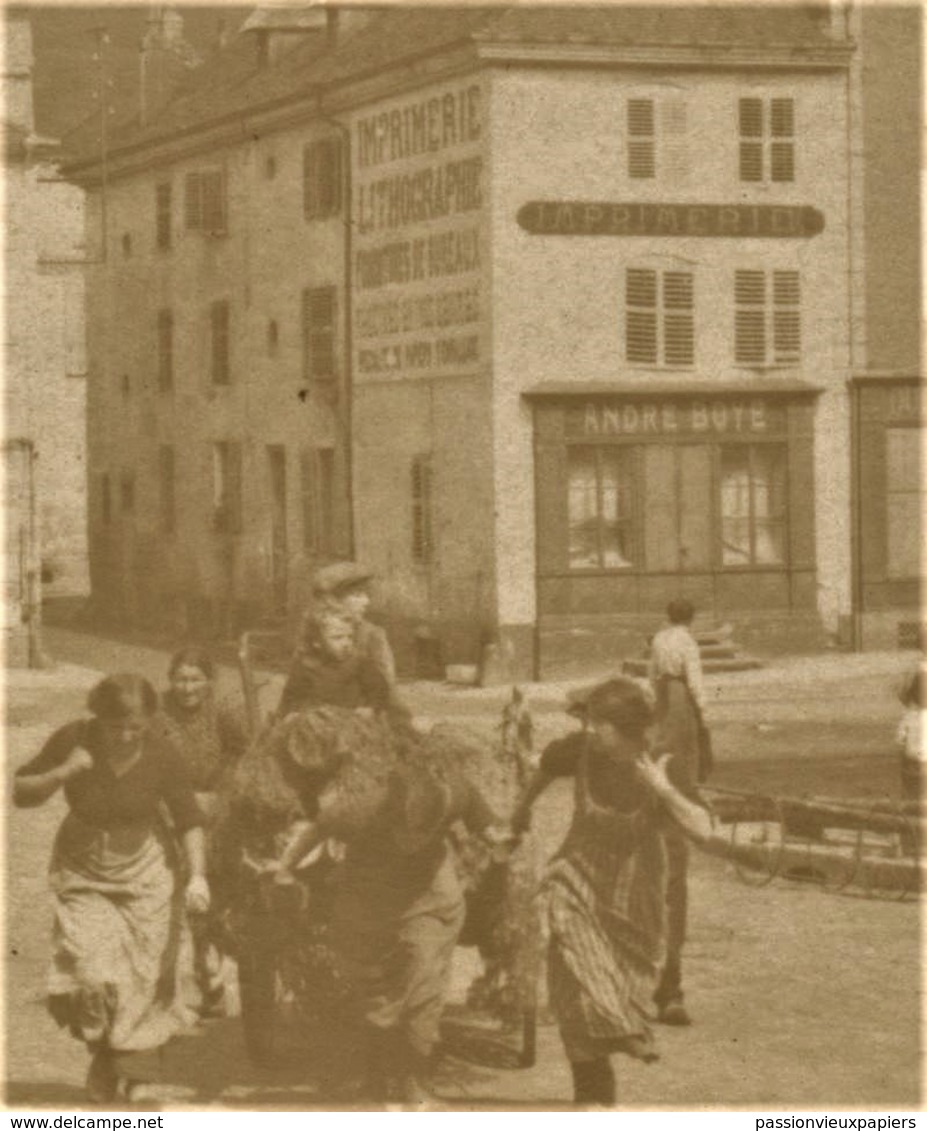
(606,218)
(418,254)
(641,419)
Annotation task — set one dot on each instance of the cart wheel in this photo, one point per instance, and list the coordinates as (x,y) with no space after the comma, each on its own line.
(759,849)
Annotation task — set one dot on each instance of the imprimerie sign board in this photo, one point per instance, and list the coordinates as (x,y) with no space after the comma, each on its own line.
(418,187)
(605,218)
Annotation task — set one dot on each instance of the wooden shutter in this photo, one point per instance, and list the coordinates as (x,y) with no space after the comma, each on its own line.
(165,350)
(212,191)
(193,205)
(319,333)
(750,317)
(751,139)
(678,322)
(641,139)
(163,215)
(641,316)
(786,316)
(166,480)
(421,510)
(219,317)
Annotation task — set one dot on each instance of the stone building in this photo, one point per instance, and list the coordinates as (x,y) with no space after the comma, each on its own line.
(45,514)
(544,314)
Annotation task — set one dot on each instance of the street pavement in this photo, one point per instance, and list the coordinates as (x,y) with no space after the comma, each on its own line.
(801,998)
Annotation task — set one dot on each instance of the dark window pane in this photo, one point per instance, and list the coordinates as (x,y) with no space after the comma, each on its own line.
(219,317)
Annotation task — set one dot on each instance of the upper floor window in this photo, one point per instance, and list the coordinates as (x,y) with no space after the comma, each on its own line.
(165,350)
(319,333)
(657,139)
(767,139)
(219,327)
(163,215)
(659,317)
(167,488)
(226,483)
(322,178)
(317,480)
(767,318)
(204,201)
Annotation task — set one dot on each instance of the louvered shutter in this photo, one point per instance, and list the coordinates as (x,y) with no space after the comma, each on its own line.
(641,324)
(750,317)
(641,139)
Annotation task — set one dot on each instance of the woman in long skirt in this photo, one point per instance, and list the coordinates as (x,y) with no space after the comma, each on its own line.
(606,885)
(114,876)
(211,736)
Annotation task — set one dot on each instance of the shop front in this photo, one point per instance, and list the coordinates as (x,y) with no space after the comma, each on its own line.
(889,415)
(643,496)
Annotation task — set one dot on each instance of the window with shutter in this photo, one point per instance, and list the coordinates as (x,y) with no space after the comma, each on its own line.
(165,350)
(219,321)
(767,139)
(319,311)
(641,139)
(204,202)
(226,466)
(163,216)
(317,482)
(322,178)
(422,543)
(166,488)
(659,318)
(767,318)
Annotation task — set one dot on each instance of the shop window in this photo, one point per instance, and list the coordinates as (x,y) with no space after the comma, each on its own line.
(656,139)
(767,317)
(163,215)
(422,538)
(767,139)
(204,202)
(319,334)
(659,318)
(167,488)
(753,504)
(226,481)
(317,483)
(905,501)
(601,501)
(322,178)
(219,319)
(165,350)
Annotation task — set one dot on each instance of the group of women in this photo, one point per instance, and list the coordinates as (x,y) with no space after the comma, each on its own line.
(131,872)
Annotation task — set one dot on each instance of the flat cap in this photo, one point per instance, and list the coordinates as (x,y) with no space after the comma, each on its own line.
(339,576)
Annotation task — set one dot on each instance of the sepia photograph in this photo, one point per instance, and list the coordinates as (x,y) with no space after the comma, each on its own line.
(464,501)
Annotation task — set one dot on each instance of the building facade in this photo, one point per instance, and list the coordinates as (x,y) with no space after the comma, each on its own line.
(44,365)
(543,315)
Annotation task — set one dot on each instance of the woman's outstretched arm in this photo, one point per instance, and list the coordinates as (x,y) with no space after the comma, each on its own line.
(692,818)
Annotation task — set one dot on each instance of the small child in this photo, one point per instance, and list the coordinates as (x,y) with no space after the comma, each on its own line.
(329,671)
(912,735)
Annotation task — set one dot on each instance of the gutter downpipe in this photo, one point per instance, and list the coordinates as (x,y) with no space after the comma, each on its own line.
(348,236)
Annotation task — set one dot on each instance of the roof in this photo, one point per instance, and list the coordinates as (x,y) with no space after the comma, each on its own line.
(232,82)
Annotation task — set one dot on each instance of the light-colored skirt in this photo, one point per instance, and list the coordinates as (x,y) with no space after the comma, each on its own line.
(116,936)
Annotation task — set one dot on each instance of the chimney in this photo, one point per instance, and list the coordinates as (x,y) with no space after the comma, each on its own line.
(276,28)
(165,59)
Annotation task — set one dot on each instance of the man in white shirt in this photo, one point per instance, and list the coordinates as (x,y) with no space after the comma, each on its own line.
(676,678)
